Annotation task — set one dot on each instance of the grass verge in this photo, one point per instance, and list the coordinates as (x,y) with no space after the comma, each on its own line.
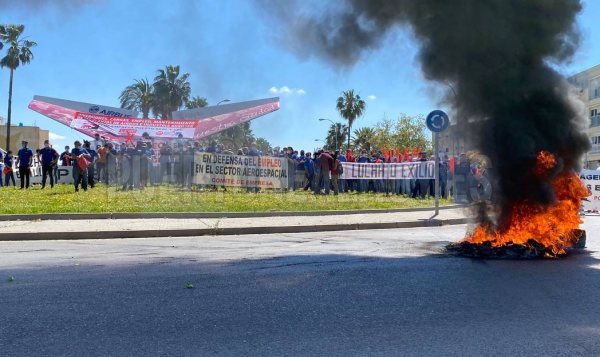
(63,199)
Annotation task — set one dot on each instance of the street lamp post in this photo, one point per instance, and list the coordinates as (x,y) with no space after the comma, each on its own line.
(224,101)
(337,131)
(317,140)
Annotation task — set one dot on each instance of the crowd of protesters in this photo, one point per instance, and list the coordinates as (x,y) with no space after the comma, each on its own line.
(320,171)
(136,165)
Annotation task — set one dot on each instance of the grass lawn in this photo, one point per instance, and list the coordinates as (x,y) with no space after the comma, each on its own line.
(63,199)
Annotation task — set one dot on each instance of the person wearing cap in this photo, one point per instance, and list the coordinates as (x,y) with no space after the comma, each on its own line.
(79,173)
(48,157)
(24,161)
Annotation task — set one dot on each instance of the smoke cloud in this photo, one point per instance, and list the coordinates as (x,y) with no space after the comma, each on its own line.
(498,54)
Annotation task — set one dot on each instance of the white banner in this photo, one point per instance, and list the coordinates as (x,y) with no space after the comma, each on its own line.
(591,179)
(241,171)
(398,171)
(64,174)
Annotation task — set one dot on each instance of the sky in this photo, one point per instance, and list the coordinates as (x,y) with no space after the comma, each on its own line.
(90,50)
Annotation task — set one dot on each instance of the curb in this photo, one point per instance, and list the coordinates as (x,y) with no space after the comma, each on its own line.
(200,215)
(30,236)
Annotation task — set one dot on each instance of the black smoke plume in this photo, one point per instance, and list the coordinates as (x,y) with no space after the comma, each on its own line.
(499,56)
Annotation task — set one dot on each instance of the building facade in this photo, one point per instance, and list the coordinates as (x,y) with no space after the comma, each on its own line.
(588,83)
(32,134)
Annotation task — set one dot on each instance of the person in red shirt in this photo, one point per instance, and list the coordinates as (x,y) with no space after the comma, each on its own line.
(325,164)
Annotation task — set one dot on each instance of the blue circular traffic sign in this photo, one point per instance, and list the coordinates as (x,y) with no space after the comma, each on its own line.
(437,121)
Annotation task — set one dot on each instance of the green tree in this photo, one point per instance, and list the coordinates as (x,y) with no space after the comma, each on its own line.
(363,138)
(335,137)
(196,102)
(18,53)
(411,132)
(350,107)
(171,91)
(138,96)
(264,145)
(384,134)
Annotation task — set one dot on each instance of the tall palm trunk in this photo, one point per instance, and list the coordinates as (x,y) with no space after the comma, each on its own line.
(10,85)
(349,133)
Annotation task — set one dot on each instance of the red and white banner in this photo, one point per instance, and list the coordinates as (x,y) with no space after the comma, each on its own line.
(135,127)
(121,125)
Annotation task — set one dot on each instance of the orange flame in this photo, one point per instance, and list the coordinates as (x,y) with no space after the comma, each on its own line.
(552,226)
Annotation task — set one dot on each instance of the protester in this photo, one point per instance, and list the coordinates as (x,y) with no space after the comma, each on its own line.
(2,154)
(49,158)
(324,164)
(93,157)
(443,177)
(80,162)
(24,162)
(336,170)
(187,161)
(111,164)
(309,172)
(343,184)
(363,184)
(165,162)
(96,143)
(253,152)
(101,163)
(8,169)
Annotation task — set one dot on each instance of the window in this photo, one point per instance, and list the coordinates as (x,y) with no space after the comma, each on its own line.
(595,144)
(595,88)
(594,118)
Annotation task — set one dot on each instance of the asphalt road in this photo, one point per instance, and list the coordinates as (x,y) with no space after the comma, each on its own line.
(359,293)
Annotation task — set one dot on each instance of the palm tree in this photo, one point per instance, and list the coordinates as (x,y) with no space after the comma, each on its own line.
(196,102)
(19,52)
(138,96)
(335,136)
(363,138)
(171,91)
(350,107)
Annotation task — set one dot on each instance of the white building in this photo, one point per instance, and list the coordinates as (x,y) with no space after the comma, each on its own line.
(588,83)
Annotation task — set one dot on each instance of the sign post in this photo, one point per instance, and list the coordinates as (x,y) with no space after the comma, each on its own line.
(437,121)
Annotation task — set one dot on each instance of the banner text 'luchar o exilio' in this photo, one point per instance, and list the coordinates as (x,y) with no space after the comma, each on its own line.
(392,171)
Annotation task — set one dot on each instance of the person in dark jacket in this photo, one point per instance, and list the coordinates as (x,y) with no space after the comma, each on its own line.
(48,157)
(80,174)
(24,162)
(309,172)
(8,167)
